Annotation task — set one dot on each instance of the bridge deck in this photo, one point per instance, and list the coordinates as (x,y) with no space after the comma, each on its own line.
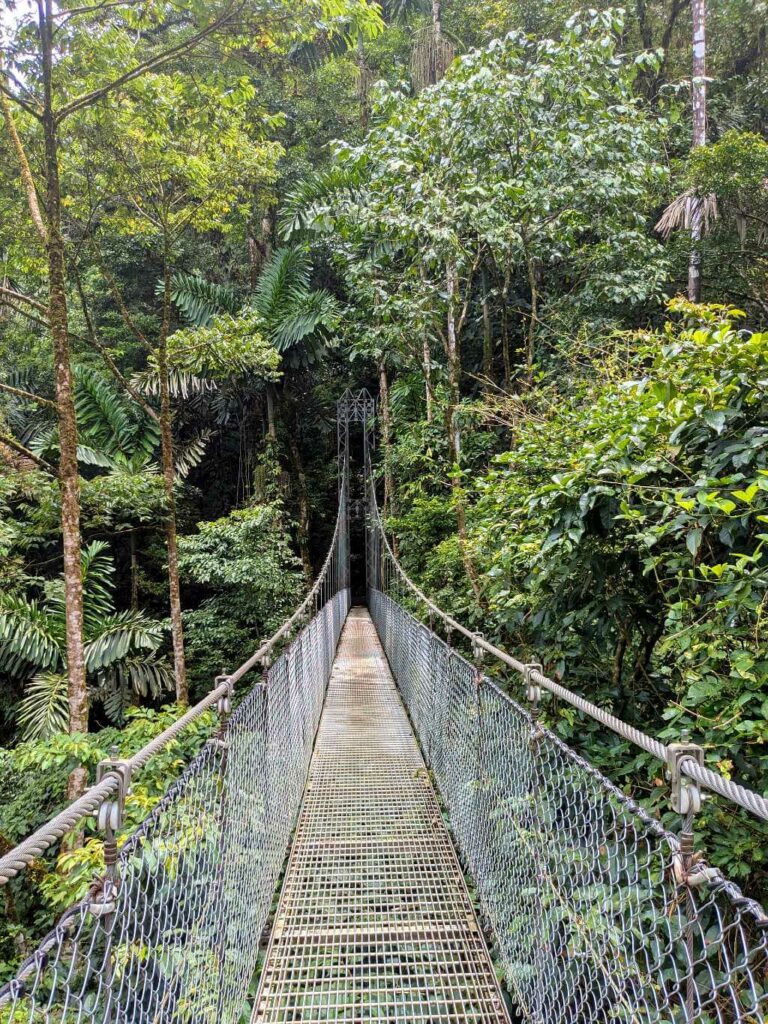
(375,922)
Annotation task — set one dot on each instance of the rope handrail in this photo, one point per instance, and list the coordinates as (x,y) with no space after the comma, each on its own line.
(733,791)
(22,855)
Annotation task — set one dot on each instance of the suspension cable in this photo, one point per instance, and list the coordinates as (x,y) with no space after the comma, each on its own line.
(746,798)
(17,859)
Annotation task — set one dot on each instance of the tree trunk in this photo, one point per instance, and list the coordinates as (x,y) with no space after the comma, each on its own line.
(169,475)
(530,347)
(271,429)
(303,499)
(362,82)
(426,356)
(454,430)
(505,354)
(134,574)
(435,71)
(69,481)
(386,439)
(487,336)
(699,101)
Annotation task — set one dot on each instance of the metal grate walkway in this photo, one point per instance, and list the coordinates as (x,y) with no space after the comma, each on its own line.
(375,922)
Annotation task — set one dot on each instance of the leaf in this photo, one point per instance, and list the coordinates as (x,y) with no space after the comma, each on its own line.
(693,540)
(44,708)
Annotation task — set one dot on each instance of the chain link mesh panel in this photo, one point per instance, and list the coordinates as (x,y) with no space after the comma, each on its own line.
(581,888)
(177,938)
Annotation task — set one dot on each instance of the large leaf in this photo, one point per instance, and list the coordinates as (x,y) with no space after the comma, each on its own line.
(199,300)
(121,634)
(29,633)
(44,709)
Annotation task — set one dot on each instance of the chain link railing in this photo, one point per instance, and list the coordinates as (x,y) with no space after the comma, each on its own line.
(598,914)
(172,931)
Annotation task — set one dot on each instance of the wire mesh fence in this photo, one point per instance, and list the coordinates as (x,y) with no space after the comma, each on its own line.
(176,936)
(595,914)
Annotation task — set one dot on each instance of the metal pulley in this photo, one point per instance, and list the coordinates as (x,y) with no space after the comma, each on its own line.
(532,689)
(685,793)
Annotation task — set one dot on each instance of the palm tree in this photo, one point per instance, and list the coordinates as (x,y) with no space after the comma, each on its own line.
(121,649)
(294,317)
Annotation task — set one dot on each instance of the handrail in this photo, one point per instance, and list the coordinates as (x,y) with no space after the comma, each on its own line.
(22,855)
(738,794)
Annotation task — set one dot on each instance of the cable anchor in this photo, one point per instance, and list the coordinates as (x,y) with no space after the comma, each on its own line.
(532,689)
(110,814)
(685,793)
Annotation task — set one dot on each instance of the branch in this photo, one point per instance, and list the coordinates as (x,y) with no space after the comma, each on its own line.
(11,442)
(25,313)
(25,170)
(9,94)
(106,355)
(11,293)
(151,64)
(124,311)
(27,396)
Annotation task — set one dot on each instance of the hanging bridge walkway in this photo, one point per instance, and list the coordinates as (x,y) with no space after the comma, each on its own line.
(379,829)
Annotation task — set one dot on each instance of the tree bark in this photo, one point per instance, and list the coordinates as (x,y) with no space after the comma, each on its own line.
(69,480)
(505,354)
(699,102)
(386,439)
(487,336)
(454,430)
(303,501)
(169,475)
(271,428)
(533,282)
(426,356)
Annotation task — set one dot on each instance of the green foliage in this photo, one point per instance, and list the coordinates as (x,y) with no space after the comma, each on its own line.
(291,310)
(33,779)
(623,540)
(250,581)
(121,648)
(227,346)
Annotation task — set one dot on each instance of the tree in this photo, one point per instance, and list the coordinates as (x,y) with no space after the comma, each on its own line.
(295,319)
(530,158)
(49,90)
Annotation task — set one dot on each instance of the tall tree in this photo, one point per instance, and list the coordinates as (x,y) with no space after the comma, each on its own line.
(699,106)
(45,97)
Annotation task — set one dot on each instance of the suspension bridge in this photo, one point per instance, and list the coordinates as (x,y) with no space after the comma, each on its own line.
(378,831)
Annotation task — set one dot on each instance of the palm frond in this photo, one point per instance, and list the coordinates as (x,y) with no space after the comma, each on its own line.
(679,213)
(191,454)
(121,634)
(309,312)
(285,277)
(95,457)
(103,412)
(303,206)
(199,300)
(98,570)
(181,384)
(44,708)
(28,634)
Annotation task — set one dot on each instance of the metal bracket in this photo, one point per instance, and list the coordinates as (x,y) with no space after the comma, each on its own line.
(224,703)
(477,655)
(110,815)
(103,902)
(685,794)
(532,689)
